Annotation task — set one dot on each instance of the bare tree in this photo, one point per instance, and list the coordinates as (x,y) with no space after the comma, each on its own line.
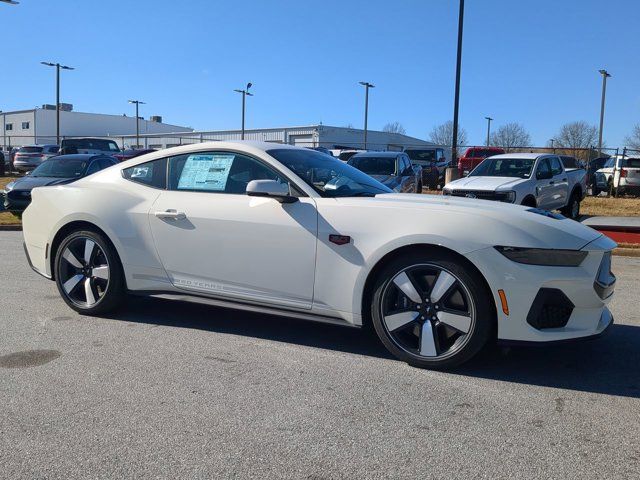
(576,135)
(633,140)
(443,134)
(510,136)
(394,127)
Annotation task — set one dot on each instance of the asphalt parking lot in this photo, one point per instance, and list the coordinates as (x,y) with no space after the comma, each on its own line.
(168,389)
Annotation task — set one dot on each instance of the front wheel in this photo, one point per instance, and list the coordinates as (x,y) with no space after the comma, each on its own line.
(88,273)
(431,311)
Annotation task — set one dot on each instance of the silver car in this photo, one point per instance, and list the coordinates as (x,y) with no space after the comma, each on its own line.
(30,156)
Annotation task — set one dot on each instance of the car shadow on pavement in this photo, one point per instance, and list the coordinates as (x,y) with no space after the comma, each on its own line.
(608,365)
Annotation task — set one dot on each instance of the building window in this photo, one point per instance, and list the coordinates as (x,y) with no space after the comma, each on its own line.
(25,125)
(8,126)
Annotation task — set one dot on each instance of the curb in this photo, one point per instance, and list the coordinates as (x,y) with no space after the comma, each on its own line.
(11,228)
(627,252)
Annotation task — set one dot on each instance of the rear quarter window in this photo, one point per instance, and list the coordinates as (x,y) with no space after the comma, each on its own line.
(152,174)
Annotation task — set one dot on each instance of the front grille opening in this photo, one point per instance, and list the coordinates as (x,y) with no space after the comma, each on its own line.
(550,309)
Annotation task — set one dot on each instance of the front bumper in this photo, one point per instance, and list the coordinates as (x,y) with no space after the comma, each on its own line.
(583,314)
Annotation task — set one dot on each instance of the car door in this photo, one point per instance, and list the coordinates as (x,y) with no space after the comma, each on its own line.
(544,185)
(560,184)
(212,238)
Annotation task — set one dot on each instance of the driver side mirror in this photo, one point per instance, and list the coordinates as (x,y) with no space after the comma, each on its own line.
(272,189)
(544,175)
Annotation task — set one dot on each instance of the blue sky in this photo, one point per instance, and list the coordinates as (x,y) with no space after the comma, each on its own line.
(534,62)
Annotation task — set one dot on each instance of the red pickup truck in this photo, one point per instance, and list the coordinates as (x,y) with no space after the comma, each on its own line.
(474,156)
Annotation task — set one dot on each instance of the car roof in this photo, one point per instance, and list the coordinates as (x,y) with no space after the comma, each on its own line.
(377,154)
(83,156)
(39,145)
(522,155)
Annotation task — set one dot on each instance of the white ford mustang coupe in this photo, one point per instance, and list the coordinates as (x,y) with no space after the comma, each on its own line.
(291,231)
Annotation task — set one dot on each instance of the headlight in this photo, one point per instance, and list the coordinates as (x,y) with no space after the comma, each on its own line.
(509,197)
(543,256)
(9,186)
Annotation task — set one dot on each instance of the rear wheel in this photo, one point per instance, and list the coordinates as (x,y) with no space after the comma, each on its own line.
(572,210)
(88,273)
(431,311)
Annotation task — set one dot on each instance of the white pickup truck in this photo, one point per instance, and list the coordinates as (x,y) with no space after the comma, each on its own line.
(532,179)
(621,174)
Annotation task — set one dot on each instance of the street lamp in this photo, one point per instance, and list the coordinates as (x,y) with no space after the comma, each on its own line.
(456,102)
(244,93)
(552,141)
(488,119)
(137,104)
(604,74)
(367,86)
(58,68)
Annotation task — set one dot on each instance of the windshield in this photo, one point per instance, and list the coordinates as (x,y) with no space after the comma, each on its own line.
(374,165)
(30,150)
(328,176)
(92,144)
(421,156)
(61,168)
(504,167)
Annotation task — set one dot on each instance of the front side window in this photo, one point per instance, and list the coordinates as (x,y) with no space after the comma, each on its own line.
(217,172)
(93,168)
(153,174)
(544,169)
(328,176)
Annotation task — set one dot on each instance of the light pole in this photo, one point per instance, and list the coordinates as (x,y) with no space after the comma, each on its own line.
(488,119)
(604,74)
(137,104)
(58,68)
(456,102)
(244,93)
(367,86)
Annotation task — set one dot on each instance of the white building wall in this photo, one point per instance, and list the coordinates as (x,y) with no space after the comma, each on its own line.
(42,126)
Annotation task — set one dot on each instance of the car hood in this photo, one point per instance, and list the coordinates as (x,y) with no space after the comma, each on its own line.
(385,179)
(471,222)
(485,183)
(29,182)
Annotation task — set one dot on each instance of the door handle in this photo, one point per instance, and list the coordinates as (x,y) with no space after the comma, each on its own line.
(172,214)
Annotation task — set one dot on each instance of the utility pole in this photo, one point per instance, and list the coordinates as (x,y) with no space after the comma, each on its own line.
(488,129)
(367,86)
(58,68)
(137,104)
(456,104)
(605,75)
(244,93)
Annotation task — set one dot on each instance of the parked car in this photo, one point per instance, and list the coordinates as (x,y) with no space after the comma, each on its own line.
(620,174)
(531,179)
(89,145)
(473,156)
(595,165)
(249,226)
(433,162)
(132,153)
(322,150)
(393,169)
(58,170)
(30,156)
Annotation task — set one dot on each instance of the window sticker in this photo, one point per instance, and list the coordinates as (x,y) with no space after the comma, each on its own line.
(206,172)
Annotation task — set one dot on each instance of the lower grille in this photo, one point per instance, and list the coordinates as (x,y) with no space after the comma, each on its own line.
(550,309)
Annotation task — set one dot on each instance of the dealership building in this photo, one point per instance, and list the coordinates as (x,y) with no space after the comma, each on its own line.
(304,136)
(38,125)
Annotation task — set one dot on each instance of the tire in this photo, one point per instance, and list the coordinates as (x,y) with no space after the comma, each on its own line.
(449,293)
(572,210)
(89,274)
